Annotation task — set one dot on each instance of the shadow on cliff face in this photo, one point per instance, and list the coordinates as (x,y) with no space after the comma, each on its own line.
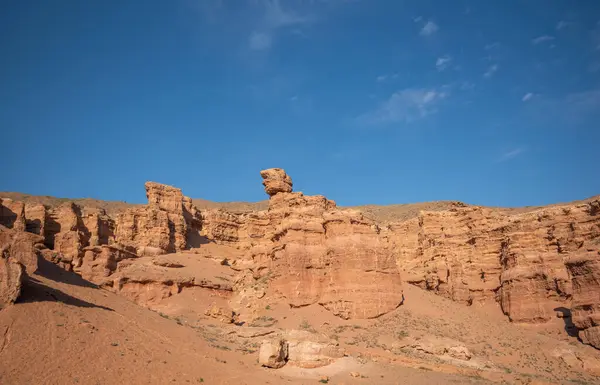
(194,240)
(35,291)
(7,217)
(51,271)
(570,328)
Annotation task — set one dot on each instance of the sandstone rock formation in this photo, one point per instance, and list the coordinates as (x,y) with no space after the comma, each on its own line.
(299,348)
(12,214)
(479,255)
(304,250)
(585,309)
(310,252)
(276,181)
(310,350)
(11,275)
(163,226)
(19,253)
(273,354)
(22,247)
(444,348)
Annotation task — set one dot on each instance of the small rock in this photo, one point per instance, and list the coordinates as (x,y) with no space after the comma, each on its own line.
(355,374)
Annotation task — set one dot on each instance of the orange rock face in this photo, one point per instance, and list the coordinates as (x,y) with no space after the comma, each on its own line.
(11,275)
(18,255)
(585,309)
(478,255)
(311,252)
(304,250)
(12,214)
(276,180)
(163,226)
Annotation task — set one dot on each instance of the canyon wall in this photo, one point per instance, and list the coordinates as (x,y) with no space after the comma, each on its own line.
(304,250)
(478,255)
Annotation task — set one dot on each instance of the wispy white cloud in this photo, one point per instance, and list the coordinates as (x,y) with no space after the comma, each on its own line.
(542,39)
(275,18)
(418,19)
(386,77)
(491,71)
(442,62)
(511,154)
(491,46)
(527,97)
(429,28)
(260,41)
(563,24)
(406,106)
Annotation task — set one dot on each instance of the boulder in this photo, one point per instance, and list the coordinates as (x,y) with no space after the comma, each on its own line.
(445,348)
(220,314)
(310,350)
(19,253)
(11,275)
(273,354)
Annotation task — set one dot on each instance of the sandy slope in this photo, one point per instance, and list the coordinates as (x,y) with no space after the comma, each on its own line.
(64,330)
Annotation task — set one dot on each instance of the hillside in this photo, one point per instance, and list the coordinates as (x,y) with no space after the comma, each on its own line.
(83,334)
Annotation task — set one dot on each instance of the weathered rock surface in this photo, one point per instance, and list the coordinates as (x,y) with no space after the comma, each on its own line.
(273,354)
(276,181)
(11,276)
(19,253)
(585,308)
(220,314)
(12,214)
(21,246)
(165,225)
(477,255)
(445,348)
(299,348)
(310,350)
(311,252)
(304,250)
(35,215)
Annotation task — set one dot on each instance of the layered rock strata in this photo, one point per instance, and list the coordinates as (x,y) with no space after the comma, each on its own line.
(478,255)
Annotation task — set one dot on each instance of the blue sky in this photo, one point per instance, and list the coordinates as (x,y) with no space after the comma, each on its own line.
(487,102)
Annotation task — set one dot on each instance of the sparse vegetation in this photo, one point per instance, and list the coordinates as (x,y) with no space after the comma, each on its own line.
(305,325)
(402,334)
(222,347)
